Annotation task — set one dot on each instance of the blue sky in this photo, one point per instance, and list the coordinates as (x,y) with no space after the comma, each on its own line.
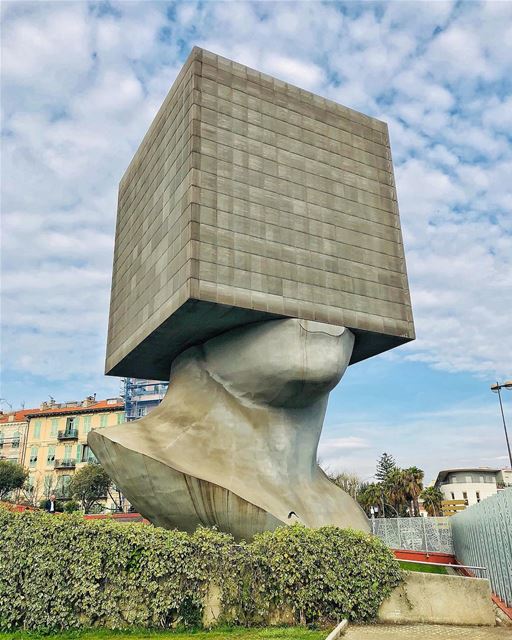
(82,82)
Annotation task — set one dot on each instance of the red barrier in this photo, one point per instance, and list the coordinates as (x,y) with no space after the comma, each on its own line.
(18,507)
(424,556)
(120,517)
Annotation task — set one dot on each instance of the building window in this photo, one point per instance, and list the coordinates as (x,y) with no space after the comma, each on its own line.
(478,496)
(48,482)
(54,427)
(1,439)
(61,488)
(103,420)
(33,456)
(142,411)
(50,458)
(452,495)
(71,423)
(67,452)
(16,440)
(465,495)
(30,484)
(37,429)
(120,417)
(88,455)
(87,424)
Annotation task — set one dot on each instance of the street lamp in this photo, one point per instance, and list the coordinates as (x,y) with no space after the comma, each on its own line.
(496,388)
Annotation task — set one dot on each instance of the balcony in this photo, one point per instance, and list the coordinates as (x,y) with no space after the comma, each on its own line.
(68,434)
(64,464)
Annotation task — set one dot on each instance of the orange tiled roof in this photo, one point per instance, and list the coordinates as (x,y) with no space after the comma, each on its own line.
(100,405)
(23,414)
(19,416)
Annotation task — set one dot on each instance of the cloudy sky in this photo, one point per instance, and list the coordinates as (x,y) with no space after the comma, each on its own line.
(81,84)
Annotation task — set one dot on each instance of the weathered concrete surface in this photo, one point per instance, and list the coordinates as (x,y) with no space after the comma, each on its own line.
(251,199)
(234,442)
(339,631)
(432,598)
(425,632)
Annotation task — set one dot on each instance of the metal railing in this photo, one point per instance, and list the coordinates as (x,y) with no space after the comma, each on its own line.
(482,535)
(64,464)
(431,535)
(68,434)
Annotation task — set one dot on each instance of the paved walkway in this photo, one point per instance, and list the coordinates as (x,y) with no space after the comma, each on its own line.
(426,632)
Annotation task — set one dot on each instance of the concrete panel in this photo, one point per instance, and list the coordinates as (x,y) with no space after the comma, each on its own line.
(252,199)
(439,599)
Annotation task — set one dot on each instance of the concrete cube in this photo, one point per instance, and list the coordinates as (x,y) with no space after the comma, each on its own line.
(250,199)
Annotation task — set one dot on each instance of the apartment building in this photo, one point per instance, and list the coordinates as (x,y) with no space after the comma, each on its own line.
(56,443)
(470,484)
(504,478)
(13,434)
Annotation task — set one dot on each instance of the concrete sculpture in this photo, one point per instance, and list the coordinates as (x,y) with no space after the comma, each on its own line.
(234,443)
(258,254)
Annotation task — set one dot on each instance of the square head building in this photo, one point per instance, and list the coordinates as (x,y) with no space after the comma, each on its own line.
(251,199)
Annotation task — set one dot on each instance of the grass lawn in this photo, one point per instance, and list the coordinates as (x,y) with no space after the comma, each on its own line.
(422,568)
(237,633)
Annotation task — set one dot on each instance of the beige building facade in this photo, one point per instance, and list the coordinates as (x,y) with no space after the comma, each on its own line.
(13,434)
(56,443)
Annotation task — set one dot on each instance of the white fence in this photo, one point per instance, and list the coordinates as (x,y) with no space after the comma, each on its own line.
(415,534)
(482,536)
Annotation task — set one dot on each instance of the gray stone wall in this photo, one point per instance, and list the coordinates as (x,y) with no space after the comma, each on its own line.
(254,199)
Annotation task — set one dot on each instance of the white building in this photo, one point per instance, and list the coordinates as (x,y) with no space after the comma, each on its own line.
(505,478)
(471,484)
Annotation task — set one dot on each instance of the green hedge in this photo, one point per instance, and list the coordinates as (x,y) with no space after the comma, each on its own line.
(61,572)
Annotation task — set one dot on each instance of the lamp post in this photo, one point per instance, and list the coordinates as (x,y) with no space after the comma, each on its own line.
(496,388)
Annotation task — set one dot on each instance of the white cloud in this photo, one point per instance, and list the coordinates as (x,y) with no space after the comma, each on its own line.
(82,82)
(498,115)
(337,444)
(455,436)
(301,73)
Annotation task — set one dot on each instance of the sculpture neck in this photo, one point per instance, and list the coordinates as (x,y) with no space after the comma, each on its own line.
(281,439)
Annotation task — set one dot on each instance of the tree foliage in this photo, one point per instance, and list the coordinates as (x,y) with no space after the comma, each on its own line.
(432,498)
(396,493)
(12,477)
(105,573)
(349,482)
(385,465)
(89,484)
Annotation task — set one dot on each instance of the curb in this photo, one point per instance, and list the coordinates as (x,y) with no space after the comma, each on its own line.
(339,631)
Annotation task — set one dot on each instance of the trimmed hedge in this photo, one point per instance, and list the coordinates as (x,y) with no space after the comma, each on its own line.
(62,572)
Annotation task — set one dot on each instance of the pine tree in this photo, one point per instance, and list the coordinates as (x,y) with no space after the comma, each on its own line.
(385,465)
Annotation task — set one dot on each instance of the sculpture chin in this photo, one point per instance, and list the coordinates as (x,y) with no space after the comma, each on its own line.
(234,442)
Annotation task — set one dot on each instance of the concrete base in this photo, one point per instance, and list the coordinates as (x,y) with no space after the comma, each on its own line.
(439,599)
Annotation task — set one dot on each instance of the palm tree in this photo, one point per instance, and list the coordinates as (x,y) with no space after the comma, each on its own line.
(432,499)
(395,489)
(413,484)
(370,496)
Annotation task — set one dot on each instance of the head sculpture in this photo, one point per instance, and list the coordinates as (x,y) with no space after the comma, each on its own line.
(258,254)
(238,433)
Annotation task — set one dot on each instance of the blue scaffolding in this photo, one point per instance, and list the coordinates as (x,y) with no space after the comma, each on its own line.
(140,396)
